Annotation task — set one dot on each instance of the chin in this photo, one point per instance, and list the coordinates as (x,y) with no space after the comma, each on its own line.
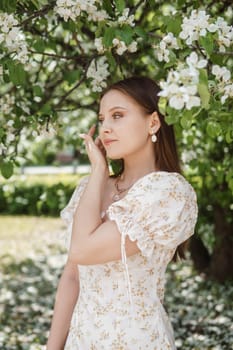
(114,156)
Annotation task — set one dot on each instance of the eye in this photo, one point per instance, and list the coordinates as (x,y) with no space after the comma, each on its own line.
(117,115)
(100,122)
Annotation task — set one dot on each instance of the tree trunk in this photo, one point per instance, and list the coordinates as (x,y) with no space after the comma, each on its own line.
(221,266)
(199,254)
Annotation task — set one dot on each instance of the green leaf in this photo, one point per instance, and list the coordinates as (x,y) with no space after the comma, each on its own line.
(17,73)
(203,88)
(111,60)
(229,136)
(1,133)
(230,184)
(108,37)
(162,105)
(39,45)
(107,6)
(72,76)
(181,2)
(7,169)
(204,95)
(126,34)
(46,108)
(186,119)
(174,25)
(6,78)
(173,117)
(36,4)
(207,43)
(213,129)
(140,32)
(8,5)
(120,5)
(203,76)
(37,91)
(172,60)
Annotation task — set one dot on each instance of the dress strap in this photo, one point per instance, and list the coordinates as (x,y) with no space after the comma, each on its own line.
(126,272)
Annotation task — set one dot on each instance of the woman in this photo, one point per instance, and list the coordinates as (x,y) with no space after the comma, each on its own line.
(125,229)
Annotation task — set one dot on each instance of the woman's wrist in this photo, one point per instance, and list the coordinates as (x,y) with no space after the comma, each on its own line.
(100,171)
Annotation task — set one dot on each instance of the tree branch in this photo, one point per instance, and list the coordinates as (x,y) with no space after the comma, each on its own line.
(74,58)
(76,85)
(134,9)
(227,53)
(38,13)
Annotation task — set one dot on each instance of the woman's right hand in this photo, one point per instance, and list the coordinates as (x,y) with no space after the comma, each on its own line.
(95,150)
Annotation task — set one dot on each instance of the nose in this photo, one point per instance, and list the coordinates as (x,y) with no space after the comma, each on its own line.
(105,127)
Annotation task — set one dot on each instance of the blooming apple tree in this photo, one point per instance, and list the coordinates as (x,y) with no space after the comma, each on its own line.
(57,56)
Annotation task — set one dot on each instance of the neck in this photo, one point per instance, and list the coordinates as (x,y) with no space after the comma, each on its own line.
(134,170)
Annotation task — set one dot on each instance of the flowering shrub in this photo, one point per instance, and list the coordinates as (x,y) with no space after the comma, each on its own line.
(38,198)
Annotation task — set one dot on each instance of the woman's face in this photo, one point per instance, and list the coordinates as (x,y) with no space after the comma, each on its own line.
(123,126)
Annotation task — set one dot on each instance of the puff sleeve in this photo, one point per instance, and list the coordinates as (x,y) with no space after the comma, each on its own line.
(159,210)
(68,212)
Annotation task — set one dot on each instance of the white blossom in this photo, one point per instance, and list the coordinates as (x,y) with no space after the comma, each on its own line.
(180,88)
(10,137)
(194,26)
(166,44)
(47,131)
(187,156)
(120,46)
(126,19)
(12,38)
(99,45)
(224,84)
(97,15)
(10,123)
(133,46)
(181,96)
(98,72)
(221,73)
(73,9)
(2,149)
(188,75)
(225,34)
(193,61)
(7,102)
(228,93)
(199,23)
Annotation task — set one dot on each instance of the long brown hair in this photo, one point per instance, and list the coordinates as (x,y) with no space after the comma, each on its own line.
(145,92)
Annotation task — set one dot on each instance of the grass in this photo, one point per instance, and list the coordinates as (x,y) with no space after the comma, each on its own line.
(31,260)
(21,235)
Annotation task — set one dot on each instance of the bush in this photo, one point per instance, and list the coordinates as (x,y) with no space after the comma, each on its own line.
(45,196)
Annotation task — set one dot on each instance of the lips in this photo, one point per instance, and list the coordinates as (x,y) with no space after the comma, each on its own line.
(108,142)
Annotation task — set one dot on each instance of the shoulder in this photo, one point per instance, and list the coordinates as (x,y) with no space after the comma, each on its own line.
(162,182)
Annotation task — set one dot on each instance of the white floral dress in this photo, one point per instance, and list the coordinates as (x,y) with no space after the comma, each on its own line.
(120,302)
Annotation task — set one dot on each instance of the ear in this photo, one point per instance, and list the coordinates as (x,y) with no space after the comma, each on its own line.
(154,123)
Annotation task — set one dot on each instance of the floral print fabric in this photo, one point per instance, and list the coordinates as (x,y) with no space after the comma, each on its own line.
(120,305)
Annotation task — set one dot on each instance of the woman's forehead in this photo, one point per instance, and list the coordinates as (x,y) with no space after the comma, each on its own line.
(115,98)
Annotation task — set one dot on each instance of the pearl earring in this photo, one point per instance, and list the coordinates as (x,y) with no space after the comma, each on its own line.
(154,138)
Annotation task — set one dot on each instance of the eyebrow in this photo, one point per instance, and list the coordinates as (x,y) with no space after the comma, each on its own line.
(115,107)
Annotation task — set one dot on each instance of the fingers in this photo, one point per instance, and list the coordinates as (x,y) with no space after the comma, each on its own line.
(88,141)
(92,130)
